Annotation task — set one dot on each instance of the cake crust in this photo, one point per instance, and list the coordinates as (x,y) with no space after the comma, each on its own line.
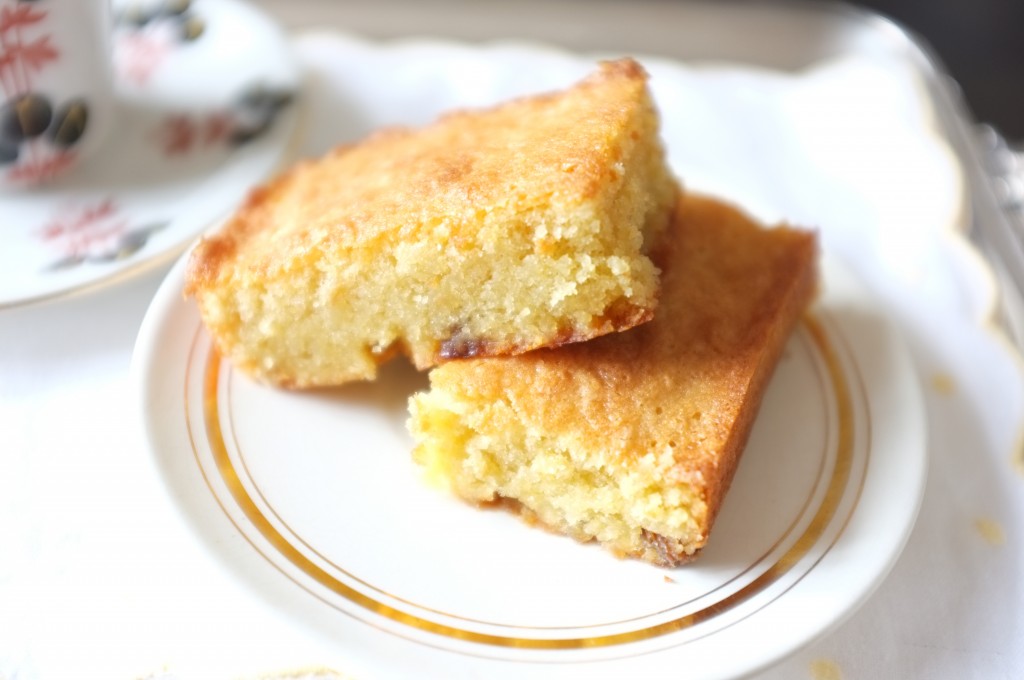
(641,430)
(488,232)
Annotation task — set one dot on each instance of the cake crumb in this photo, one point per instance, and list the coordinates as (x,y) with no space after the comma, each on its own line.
(668,579)
(1018,455)
(990,530)
(306,674)
(943,384)
(825,669)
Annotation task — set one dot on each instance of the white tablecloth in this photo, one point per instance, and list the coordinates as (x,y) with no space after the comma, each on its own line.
(99,578)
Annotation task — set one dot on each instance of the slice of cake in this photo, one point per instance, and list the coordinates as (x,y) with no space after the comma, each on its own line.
(631,439)
(489,232)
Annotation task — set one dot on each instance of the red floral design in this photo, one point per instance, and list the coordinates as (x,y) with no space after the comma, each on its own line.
(217,127)
(177,135)
(79,230)
(43,167)
(180,134)
(21,14)
(21,57)
(18,58)
(33,55)
(138,54)
(96,233)
(146,34)
(244,119)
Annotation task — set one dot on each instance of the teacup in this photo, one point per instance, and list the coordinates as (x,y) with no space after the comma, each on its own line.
(56,87)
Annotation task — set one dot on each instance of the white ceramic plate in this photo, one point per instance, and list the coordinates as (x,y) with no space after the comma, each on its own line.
(312,499)
(202,117)
(322,489)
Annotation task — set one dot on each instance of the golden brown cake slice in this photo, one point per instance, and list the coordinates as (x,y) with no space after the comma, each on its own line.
(489,232)
(631,439)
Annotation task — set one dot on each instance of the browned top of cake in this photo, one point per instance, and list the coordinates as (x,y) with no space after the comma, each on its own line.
(396,185)
(684,380)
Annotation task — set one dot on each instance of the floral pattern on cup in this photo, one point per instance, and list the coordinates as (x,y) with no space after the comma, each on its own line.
(95,232)
(144,35)
(246,118)
(102,231)
(127,202)
(37,134)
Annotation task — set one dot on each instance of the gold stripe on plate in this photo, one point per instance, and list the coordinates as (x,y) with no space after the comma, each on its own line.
(297,540)
(822,519)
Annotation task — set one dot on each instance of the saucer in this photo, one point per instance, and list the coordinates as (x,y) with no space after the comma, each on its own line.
(207,107)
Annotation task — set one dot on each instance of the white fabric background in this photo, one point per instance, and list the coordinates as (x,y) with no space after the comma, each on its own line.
(100,579)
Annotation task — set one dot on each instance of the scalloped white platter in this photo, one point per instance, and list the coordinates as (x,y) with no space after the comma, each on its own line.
(312,502)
